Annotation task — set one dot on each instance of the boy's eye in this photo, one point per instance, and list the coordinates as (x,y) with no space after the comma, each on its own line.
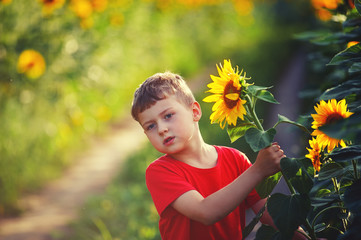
(150,127)
(169,115)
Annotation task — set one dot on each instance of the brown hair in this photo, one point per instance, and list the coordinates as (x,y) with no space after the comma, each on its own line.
(159,87)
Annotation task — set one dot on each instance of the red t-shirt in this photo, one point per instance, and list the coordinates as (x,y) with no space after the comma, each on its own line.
(167,179)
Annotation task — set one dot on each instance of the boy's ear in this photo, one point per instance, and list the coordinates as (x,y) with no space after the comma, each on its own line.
(197,111)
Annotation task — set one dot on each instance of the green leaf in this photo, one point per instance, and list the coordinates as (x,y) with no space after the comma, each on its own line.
(352,197)
(265,232)
(323,192)
(325,200)
(355,68)
(266,96)
(307,164)
(349,55)
(288,212)
(261,93)
(298,176)
(343,90)
(258,139)
(311,35)
(253,89)
(346,154)
(347,129)
(265,188)
(289,167)
(358,6)
(320,227)
(322,37)
(330,170)
(238,131)
(283,119)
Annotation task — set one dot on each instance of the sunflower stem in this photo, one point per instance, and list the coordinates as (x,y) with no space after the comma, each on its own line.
(310,230)
(354,164)
(321,212)
(252,112)
(289,185)
(337,190)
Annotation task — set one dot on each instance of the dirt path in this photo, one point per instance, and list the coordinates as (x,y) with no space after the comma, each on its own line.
(50,210)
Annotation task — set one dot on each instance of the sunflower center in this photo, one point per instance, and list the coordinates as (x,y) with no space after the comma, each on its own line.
(231,95)
(30,65)
(333,118)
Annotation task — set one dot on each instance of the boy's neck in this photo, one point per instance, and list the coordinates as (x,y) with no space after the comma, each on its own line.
(200,155)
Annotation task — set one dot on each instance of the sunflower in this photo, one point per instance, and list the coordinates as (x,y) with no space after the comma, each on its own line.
(314,153)
(328,113)
(31,63)
(50,5)
(322,8)
(5,2)
(82,8)
(329,4)
(227,89)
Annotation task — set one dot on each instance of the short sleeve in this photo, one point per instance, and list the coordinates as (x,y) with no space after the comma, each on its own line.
(253,197)
(165,184)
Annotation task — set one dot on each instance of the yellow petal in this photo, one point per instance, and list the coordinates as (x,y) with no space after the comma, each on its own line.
(232,96)
(212,98)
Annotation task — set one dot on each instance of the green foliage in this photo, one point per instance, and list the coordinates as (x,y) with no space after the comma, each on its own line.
(261,93)
(327,204)
(258,139)
(265,188)
(288,212)
(296,172)
(347,129)
(239,130)
(125,210)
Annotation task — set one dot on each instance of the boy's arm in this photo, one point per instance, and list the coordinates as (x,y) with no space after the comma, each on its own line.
(219,204)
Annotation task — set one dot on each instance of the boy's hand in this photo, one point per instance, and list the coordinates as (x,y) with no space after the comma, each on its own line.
(268,159)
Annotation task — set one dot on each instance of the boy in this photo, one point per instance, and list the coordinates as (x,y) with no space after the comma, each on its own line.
(200,191)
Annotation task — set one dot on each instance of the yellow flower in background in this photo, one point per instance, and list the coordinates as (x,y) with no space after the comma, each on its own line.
(328,113)
(99,5)
(314,153)
(226,91)
(103,113)
(329,4)
(86,23)
(81,8)
(243,7)
(5,2)
(352,43)
(323,14)
(116,19)
(77,117)
(31,63)
(50,5)
(322,8)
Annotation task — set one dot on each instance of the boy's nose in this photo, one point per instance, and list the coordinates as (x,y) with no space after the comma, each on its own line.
(162,129)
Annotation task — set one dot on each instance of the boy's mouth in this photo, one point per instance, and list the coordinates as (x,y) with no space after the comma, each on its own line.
(168,140)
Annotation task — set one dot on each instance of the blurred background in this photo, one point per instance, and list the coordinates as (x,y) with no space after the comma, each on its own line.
(69,68)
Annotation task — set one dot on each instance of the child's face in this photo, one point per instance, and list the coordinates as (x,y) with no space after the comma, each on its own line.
(169,125)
